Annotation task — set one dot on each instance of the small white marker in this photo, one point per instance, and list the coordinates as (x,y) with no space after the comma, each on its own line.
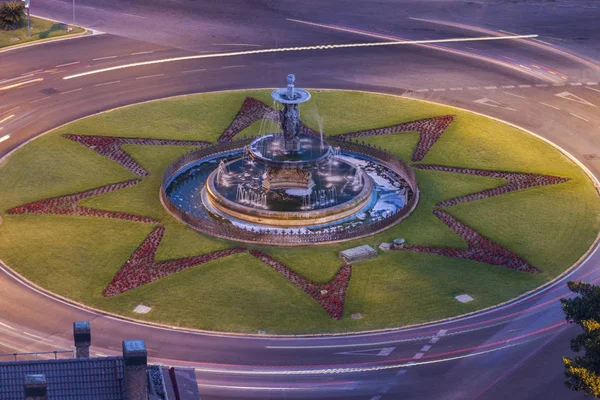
(418,355)
(456,88)
(149,76)
(541,85)
(103,58)
(490,87)
(439,90)
(512,94)
(434,340)
(524,86)
(592,83)
(508,87)
(442,332)
(43,98)
(591,88)
(71,91)
(193,70)
(106,83)
(575,83)
(549,105)
(580,117)
(142,52)
(67,64)
(426,348)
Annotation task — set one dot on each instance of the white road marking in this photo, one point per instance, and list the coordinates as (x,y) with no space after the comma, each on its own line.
(35,336)
(422,90)
(142,52)
(572,97)
(2,139)
(67,64)
(426,348)
(106,83)
(456,88)
(43,98)
(595,90)
(580,117)
(575,84)
(103,58)
(508,87)
(418,355)
(473,88)
(439,90)
(541,85)
(233,66)
(524,86)
(592,83)
(193,70)
(378,397)
(558,84)
(149,76)
(7,118)
(512,94)
(71,91)
(442,332)
(490,87)
(434,340)
(301,48)
(382,352)
(548,105)
(492,103)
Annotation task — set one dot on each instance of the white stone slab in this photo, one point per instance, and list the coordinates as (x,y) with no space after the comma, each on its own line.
(142,309)
(463,298)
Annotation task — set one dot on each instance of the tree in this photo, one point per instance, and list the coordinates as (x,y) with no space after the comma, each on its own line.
(583,372)
(11,14)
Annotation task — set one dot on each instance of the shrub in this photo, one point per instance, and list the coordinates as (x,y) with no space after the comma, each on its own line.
(11,14)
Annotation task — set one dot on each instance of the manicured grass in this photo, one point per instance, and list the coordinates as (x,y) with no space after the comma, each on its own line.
(551,227)
(41,29)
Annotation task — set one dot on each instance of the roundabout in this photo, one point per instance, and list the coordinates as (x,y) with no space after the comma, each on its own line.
(442,202)
(104,175)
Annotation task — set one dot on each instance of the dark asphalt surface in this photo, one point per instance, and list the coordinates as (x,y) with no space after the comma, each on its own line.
(510,352)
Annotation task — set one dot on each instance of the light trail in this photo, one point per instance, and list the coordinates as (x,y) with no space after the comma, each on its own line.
(290,49)
(7,118)
(21,84)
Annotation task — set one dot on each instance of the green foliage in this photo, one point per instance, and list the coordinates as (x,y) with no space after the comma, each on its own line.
(11,14)
(583,372)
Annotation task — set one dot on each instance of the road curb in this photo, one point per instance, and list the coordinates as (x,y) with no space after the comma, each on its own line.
(13,274)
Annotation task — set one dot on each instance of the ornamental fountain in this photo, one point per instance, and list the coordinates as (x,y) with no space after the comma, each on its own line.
(293,183)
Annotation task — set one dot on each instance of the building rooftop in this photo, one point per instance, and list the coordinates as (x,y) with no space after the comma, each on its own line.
(70,379)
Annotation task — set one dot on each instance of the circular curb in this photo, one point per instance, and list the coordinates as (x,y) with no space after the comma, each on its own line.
(24,281)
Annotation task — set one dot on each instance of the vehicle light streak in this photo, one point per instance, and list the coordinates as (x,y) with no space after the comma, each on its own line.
(289,49)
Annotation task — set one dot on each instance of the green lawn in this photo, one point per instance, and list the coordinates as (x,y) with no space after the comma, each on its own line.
(551,227)
(40,29)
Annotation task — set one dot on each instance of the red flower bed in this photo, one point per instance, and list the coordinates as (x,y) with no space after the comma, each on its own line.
(67,205)
(252,110)
(141,268)
(516,181)
(480,248)
(330,296)
(430,130)
(110,147)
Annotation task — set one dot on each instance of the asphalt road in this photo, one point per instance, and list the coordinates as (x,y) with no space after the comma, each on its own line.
(511,351)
